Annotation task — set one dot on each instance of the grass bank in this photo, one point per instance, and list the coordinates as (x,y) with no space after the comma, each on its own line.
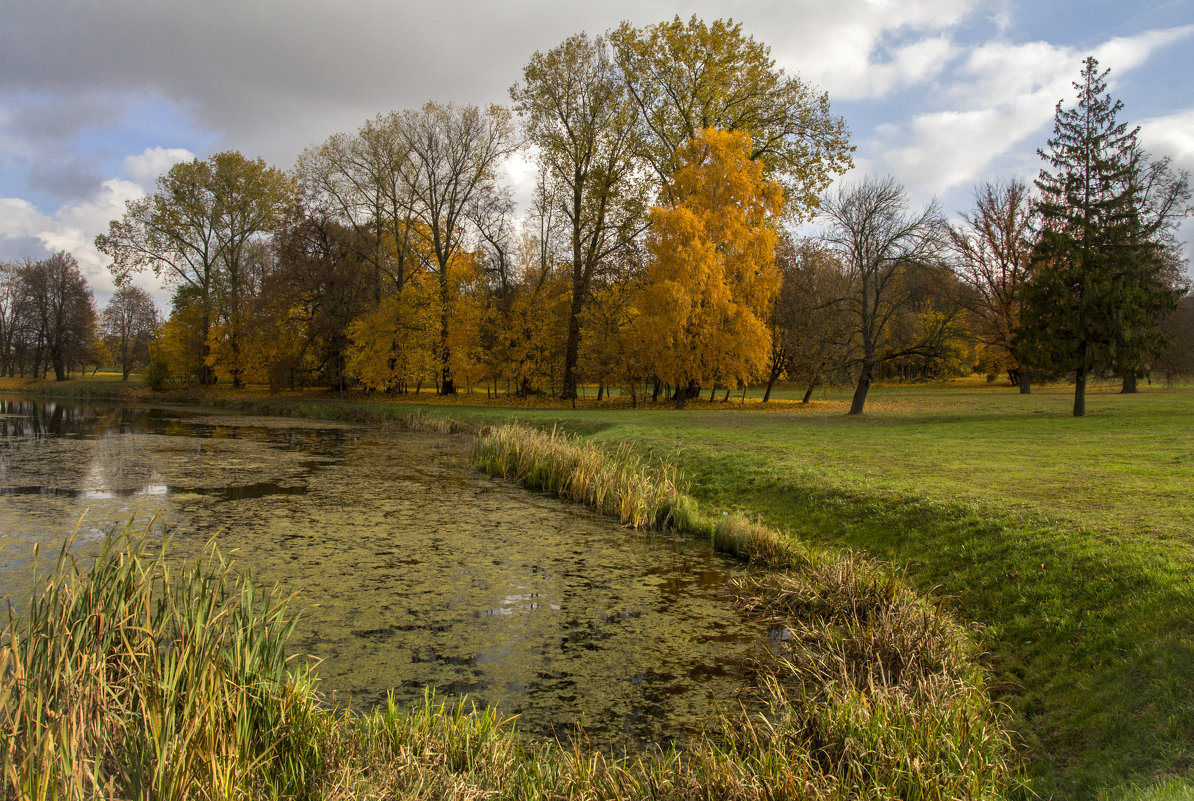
(1067,541)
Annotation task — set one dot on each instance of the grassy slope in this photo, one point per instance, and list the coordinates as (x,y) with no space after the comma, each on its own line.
(1070,542)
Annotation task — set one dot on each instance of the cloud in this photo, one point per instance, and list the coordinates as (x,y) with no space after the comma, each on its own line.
(1172,136)
(68,177)
(145,168)
(1005,94)
(72,227)
(857,49)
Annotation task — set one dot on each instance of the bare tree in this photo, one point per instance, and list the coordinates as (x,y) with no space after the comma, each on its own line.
(14,313)
(129,323)
(878,243)
(993,248)
(810,336)
(449,176)
(62,310)
(581,117)
(356,180)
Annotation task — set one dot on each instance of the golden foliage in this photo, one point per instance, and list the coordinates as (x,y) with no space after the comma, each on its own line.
(179,344)
(711,275)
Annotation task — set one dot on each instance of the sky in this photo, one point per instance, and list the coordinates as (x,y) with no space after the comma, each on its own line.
(99,98)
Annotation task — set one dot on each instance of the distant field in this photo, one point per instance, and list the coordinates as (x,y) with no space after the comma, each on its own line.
(1068,543)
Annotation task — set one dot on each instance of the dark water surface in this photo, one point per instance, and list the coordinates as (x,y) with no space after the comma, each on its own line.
(414,570)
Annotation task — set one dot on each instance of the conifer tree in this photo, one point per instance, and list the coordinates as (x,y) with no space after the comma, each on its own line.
(1099,285)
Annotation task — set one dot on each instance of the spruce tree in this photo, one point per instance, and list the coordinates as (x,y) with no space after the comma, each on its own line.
(1100,283)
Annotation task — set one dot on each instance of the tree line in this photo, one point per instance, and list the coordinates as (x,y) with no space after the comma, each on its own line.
(49,321)
(656,255)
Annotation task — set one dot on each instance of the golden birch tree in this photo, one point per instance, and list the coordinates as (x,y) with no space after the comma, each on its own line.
(711,272)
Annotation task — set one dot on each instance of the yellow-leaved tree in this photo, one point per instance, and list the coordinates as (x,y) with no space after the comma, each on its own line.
(711,273)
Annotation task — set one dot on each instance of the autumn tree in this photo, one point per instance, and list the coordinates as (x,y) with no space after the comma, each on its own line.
(686,77)
(450,173)
(524,328)
(357,180)
(580,117)
(320,283)
(62,311)
(993,257)
(809,332)
(711,270)
(129,324)
(1100,286)
(879,244)
(610,350)
(194,231)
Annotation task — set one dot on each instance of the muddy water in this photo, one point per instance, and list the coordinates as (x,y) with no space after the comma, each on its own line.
(414,570)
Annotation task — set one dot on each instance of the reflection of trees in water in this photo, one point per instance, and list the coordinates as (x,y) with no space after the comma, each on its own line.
(24,419)
(32,420)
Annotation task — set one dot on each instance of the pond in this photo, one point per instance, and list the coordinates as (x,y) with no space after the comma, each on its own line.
(413,569)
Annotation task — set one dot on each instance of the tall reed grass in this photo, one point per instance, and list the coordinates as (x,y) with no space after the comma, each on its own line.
(130,679)
(641,494)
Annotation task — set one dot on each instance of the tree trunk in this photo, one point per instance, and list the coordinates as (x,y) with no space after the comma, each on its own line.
(681,395)
(600,391)
(1025,381)
(59,366)
(572,351)
(447,385)
(726,399)
(655,392)
(808,393)
(770,384)
(713,394)
(1080,393)
(1129,385)
(860,391)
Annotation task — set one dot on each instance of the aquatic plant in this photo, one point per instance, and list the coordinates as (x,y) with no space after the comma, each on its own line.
(134,678)
(640,493)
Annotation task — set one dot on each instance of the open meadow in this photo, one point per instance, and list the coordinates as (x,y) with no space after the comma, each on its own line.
(1067,544)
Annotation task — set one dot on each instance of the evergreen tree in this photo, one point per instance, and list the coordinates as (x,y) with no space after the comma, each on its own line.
(1100,283)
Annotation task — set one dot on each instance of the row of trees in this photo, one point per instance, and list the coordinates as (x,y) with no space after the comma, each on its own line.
(671,160)
(49,321)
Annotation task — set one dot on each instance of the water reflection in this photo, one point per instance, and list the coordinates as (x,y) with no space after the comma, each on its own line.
(415,570)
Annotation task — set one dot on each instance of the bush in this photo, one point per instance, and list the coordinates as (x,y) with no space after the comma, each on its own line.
(157,375)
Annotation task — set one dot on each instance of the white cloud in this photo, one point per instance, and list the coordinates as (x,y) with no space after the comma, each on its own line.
(1125,53)
(1171,136)
(1007,93)
(73,227)
(154,161)
(858,49)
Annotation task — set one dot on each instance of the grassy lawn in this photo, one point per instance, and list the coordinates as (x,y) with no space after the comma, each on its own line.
(1068,544)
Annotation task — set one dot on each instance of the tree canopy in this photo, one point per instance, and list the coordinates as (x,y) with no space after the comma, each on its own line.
(1102,272)
(687,77)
